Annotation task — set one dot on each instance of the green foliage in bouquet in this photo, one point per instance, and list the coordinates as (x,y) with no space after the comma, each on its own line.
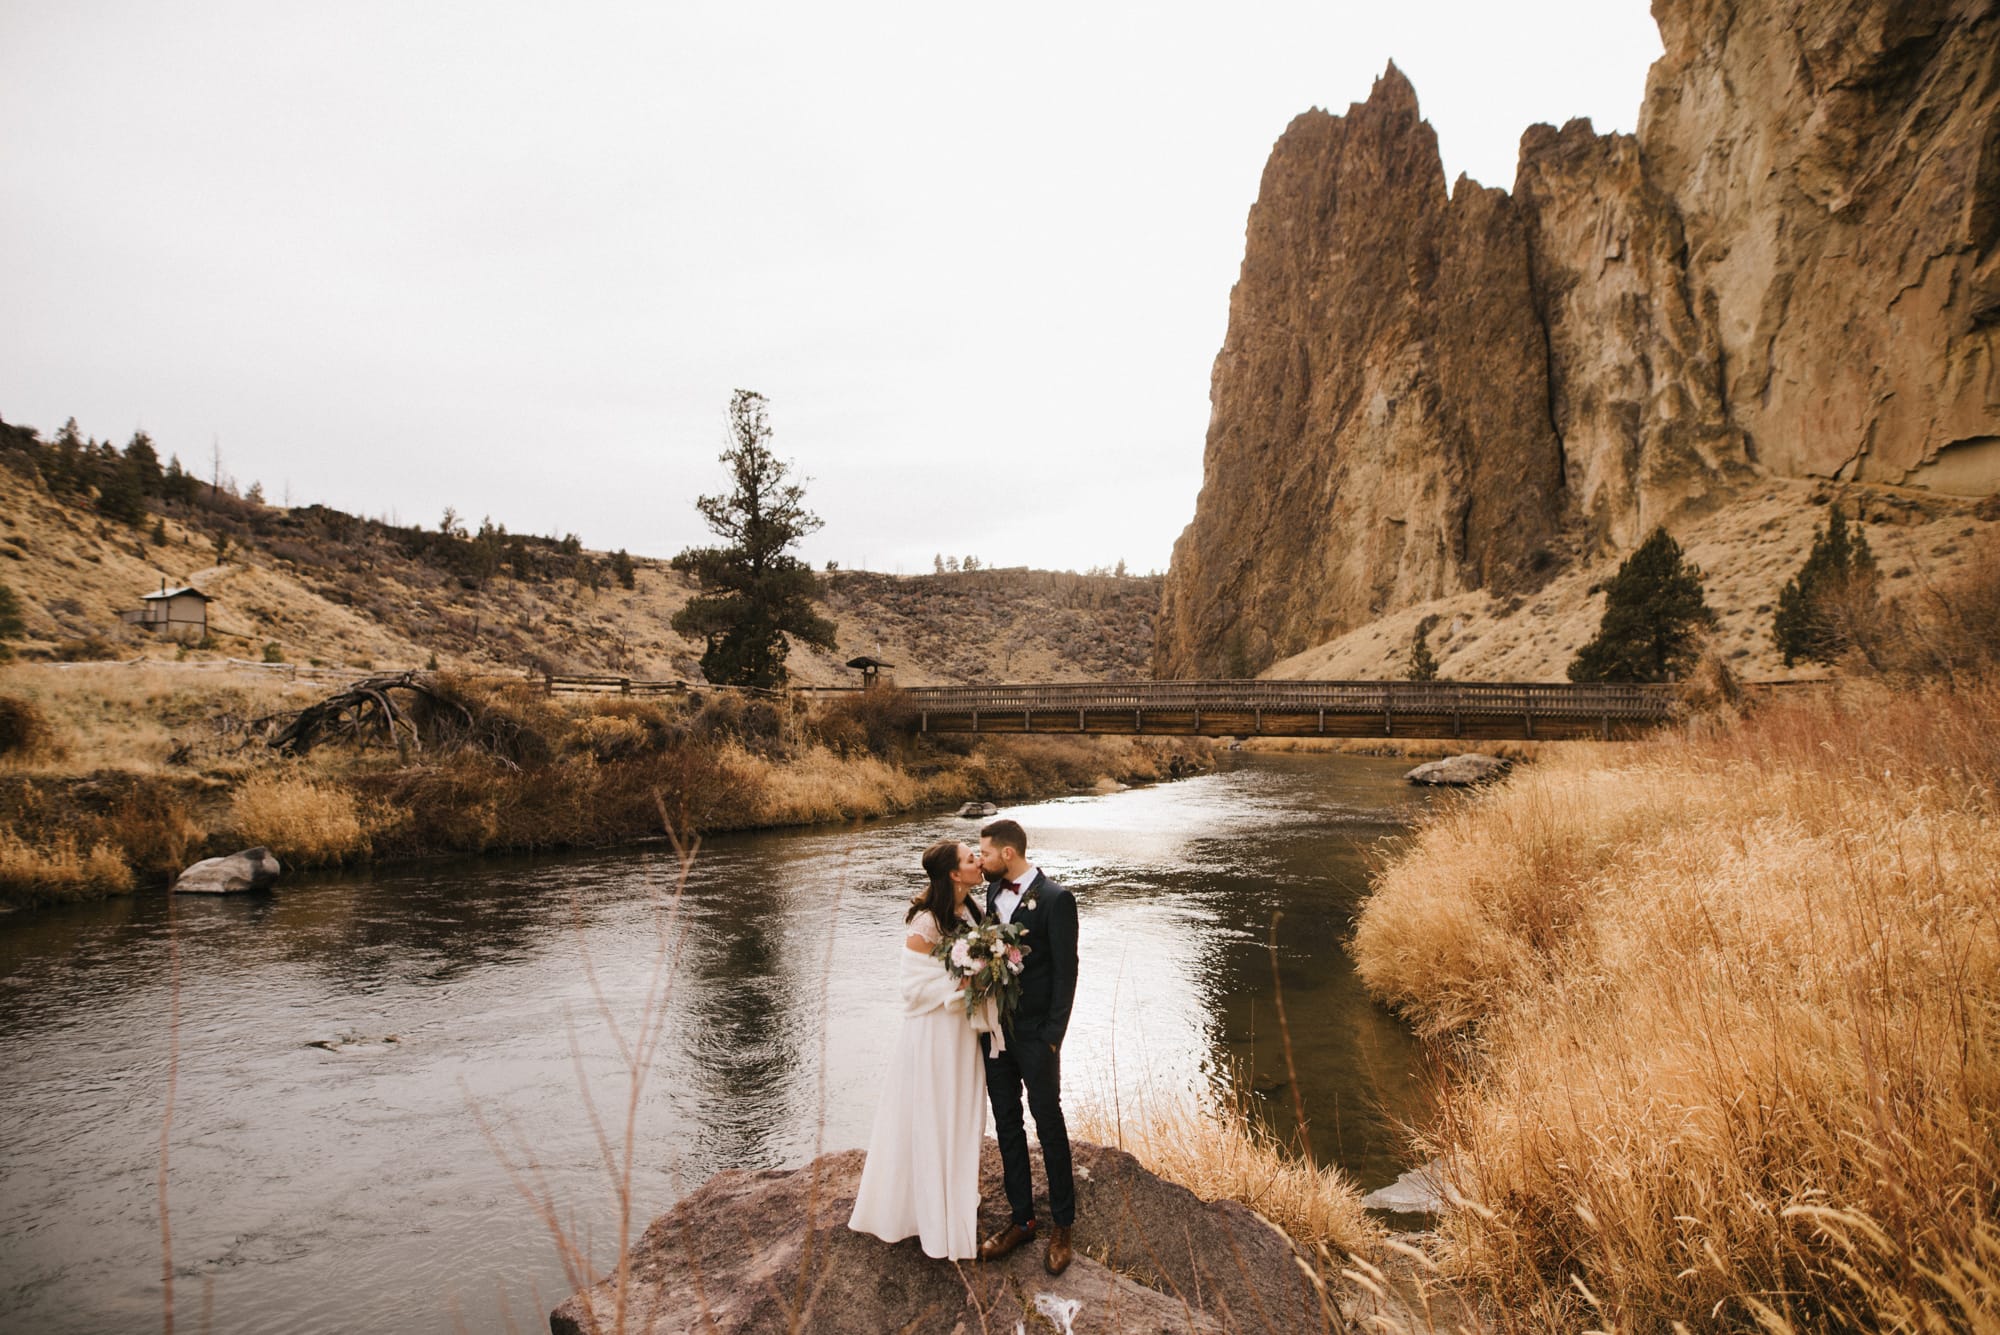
(988,956)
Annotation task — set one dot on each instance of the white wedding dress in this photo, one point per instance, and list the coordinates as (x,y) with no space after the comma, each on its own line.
(922,1173)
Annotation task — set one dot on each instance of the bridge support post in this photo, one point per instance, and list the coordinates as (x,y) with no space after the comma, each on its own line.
(1027,722)
(1138,720)
(975,720)
(924,721)
(1260,718)
(1607,726)
(1322,720)
(1079,720)
(1529,719)
(1197,723)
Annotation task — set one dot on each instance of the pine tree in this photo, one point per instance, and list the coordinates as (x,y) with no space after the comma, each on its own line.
(755,592)
(1423,666)
(1654,611)
(1819,607)
(622,567)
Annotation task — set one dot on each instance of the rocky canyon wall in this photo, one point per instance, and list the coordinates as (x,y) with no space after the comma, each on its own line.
(1791,269)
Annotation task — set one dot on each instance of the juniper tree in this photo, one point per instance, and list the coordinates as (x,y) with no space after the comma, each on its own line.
(1422,665)
(1654,612)
(755,592)
(1821,609)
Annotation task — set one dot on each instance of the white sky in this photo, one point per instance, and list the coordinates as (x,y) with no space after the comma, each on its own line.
(513,258)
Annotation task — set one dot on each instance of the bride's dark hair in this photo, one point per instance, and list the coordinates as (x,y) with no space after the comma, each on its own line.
(940,861)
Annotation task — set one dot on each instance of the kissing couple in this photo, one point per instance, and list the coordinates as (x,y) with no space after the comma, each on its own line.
(954,1056)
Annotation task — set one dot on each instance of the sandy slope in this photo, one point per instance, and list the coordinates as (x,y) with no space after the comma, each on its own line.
(1747,551)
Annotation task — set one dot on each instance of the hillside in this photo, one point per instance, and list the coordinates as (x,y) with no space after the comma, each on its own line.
(331,588)
(1747,550)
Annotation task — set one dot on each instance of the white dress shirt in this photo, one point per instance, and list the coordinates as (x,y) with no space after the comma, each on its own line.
(1008,900)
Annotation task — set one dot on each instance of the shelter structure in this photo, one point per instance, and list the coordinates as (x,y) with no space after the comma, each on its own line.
(870,669)
(171,610)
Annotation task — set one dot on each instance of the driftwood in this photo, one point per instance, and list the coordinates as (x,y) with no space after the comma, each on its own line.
(369,711)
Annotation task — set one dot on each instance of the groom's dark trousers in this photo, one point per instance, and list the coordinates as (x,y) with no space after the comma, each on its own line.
(1032,1061)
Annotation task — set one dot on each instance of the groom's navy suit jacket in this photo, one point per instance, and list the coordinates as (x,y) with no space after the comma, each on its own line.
(1048,975)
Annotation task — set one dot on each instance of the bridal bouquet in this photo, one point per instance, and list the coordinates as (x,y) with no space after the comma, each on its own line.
(988,956)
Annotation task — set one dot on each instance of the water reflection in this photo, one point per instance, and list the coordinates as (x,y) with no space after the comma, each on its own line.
(296,1170)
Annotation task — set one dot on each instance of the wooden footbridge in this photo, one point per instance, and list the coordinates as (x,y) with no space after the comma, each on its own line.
(1482,711)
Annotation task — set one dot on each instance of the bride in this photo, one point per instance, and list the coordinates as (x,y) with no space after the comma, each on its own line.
(922,1172)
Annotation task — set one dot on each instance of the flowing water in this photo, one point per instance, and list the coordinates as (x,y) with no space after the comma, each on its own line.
(349,1186)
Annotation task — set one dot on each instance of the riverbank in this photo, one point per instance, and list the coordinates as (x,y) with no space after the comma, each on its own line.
(122,775)
(1722,1015)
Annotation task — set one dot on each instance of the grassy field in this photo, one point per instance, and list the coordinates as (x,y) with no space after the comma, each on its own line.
(1723,1013)
(119,775)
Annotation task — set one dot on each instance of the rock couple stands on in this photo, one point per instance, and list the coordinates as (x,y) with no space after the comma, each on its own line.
(758,1252)
(1792,269)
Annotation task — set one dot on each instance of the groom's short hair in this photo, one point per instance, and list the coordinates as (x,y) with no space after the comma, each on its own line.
(1007,834)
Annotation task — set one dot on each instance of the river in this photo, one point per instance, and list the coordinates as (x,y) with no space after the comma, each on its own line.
(350,1187)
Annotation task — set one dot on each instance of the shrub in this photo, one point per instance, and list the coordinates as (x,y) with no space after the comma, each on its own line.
(272,653)
(59,871)
(306,821)
(89,649)
(879,720)
(24,730)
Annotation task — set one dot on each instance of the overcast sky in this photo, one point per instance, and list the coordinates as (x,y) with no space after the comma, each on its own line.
(513,258)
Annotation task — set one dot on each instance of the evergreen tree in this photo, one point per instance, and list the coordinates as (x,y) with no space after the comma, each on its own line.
(624,569)
(755,592)
(1653,612)
(179,485)
(120,494)
(1818,608)
(1423,666)
(144,462)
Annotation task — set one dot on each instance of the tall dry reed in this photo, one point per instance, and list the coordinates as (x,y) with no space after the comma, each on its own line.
(1725,1010)
(306,820)
(59,870)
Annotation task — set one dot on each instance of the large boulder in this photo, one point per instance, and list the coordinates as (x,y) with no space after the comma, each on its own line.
(771,1251)
(1464,771)
(252,869)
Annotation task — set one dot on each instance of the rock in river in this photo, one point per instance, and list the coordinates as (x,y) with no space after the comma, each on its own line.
(251,869)
(976,810)
(771,1251)
(1460,771)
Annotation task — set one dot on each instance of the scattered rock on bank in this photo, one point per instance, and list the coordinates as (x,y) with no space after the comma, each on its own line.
(978,810)
(737,1253)
(252,869)
(1464,771)
(1419,1191)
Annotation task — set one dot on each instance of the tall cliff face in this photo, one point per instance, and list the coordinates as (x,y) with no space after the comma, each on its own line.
(1381,431)
(1793,269)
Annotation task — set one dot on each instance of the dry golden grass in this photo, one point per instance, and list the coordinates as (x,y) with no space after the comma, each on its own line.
(1727,1013)
(817,786)
(306,821)
(1219,1151)
(58,871)
(128,716)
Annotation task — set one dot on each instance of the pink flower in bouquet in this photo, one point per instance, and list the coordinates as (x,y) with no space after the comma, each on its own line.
(961,953)
(1014,958)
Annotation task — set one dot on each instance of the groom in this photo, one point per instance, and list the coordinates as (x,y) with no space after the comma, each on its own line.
(1032,1060)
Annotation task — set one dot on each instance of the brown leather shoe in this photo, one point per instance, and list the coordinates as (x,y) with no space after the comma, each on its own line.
(1056,1259)
(1006,1240)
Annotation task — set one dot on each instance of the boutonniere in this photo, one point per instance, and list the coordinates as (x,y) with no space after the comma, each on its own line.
(1029,903)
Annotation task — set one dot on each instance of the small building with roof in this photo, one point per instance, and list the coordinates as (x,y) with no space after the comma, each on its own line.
(171,610)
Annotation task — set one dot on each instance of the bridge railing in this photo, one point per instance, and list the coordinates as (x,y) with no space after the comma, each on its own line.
(1542,699)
